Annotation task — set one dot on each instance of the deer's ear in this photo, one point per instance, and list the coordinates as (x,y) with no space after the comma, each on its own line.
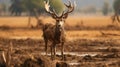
(54,17)
(64,20)
(65,16)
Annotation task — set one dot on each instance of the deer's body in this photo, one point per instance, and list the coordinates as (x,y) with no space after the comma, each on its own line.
(55,33)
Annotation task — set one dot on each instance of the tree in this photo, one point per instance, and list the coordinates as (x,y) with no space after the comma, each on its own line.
(16,7)
(30,5)
(2,9)
(116,7)
(105,8)
(38,5)
(57,5)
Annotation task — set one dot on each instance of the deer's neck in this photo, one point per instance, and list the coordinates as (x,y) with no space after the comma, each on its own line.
(59,33)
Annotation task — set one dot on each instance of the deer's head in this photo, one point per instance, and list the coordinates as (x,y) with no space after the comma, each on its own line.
(60,20)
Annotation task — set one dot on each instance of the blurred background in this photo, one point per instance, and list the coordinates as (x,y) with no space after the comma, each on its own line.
(93,13)
(83,7)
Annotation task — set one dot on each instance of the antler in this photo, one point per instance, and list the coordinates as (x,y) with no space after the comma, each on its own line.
(70,9)
(64,14)
(47,7)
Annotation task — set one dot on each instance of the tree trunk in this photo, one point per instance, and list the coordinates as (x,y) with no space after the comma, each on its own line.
(29,20)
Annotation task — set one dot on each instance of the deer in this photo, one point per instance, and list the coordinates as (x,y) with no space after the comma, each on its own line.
(56,33)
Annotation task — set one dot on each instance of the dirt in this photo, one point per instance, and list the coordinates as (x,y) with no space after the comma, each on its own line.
(107,52)
(91,42)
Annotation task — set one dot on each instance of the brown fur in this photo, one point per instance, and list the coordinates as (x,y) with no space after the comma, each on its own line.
(55,35)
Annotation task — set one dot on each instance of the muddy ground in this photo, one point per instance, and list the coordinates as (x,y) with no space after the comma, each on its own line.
(94,52)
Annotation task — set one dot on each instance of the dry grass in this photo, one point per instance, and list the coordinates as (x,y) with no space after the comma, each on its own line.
(89,21)
(13,21)
(70,35)
(72,21)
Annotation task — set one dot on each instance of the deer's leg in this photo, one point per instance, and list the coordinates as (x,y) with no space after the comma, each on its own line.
(46,45)
(62,50)
(51,48)
(54,47)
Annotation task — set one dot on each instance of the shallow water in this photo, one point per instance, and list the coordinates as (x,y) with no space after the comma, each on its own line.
(73,63)
(79,54)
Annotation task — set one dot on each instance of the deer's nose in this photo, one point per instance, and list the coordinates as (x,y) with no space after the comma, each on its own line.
(59,25)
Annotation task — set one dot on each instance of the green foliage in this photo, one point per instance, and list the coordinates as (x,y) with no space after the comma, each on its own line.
(16,7)
(57,5)
(116,5)
(105,8)
(30,5)
(3,7)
